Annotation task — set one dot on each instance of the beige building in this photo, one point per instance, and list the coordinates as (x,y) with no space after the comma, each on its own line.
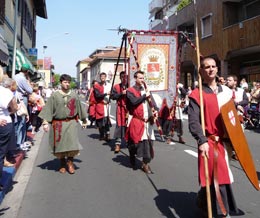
(27,12)
(84,73)
(228,30)
(101,60)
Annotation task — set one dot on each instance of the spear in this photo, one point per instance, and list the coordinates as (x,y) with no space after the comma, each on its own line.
(202,112)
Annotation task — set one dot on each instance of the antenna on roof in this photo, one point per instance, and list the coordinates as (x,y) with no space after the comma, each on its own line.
(119,29)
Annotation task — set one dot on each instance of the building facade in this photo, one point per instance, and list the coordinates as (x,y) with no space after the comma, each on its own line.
(25,25)
(228,30)
(101,60)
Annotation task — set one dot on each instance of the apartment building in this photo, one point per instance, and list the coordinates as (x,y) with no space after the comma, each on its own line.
(27,12)
(228,30)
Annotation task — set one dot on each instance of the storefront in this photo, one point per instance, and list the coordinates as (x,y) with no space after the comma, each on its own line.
(20,59)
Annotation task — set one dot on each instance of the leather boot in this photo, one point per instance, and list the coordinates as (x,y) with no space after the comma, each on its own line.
(117,148)
(62,165)
(107,138)
(181,140)
(146,168)
(70,165)
(132,162)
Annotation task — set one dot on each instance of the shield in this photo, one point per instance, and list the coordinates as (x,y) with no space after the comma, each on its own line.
(239,142)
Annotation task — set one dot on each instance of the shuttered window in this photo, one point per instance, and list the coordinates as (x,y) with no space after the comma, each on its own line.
(206,26)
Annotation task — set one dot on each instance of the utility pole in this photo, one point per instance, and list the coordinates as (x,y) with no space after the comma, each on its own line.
(14,38)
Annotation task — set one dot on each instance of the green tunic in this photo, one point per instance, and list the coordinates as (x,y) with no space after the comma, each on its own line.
(60,110)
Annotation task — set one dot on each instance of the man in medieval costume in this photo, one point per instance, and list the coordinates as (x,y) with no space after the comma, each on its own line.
(139,133)
(119,94)
(101,93)
(241,101)
(165,115)
(62,111)
(91,102)
(212,144)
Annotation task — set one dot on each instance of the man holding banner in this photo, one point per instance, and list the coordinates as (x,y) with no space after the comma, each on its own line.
(212,144)
(140,134)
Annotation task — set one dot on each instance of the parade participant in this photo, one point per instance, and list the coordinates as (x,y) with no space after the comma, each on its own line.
(166,120)
(101,93)
(62,111)
(212,144)
(240,98)
(178,114)
(140,134)
(91,102)
(119,94)
(221,80)
(238,94)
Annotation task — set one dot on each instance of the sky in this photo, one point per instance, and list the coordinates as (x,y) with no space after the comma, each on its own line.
(76,28)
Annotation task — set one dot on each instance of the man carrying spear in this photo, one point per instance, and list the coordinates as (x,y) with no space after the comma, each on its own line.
(119,94)
(212,144)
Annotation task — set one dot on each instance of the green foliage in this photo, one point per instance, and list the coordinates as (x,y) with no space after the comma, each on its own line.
(183,4)
(73,84)
(56,80)
(56,83)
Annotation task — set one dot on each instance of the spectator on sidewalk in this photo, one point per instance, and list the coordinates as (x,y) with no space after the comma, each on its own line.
(8,106)
(11,148)
(23,90)
(37,104)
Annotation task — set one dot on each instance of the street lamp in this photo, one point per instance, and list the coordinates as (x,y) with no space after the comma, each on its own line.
(45,47)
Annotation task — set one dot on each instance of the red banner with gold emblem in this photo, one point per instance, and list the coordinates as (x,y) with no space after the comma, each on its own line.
(156,55)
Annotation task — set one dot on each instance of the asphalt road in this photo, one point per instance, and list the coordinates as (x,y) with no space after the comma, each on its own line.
(104,185)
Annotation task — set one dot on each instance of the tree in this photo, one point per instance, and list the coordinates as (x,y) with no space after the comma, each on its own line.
(183,4)
(56,81)
(73,83)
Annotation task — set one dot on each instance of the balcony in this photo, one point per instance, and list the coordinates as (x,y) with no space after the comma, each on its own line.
(186,15)
(156,24)
(155,5)
(242,35)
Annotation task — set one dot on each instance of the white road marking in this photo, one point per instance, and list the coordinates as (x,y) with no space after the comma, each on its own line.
(192,153)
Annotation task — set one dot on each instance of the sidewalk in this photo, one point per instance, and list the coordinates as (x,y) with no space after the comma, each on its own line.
(10,172)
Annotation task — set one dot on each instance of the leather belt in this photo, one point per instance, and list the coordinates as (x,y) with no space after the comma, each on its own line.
(215,173)
(66,119)
(143,119)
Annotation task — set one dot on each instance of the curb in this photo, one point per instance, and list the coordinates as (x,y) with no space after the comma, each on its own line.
(9,172)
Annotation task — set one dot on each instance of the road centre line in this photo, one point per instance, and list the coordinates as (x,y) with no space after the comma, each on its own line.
(192,153)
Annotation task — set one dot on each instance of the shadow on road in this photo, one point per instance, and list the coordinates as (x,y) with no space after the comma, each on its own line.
(2,211)
(94,136)
(177,204)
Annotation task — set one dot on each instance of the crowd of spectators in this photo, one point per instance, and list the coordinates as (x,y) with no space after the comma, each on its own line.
(19,109)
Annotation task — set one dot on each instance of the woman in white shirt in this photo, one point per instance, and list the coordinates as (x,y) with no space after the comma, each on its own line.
(8,105)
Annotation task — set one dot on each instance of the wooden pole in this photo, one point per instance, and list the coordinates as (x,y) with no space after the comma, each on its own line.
(202,112)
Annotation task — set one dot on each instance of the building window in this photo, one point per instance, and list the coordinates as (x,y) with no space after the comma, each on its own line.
(206,26)
(2,12)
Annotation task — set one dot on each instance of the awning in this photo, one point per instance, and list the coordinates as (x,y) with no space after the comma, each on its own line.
(20,60)
(4,54)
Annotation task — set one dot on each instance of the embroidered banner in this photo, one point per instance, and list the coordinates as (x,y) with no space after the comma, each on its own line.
(156,55)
